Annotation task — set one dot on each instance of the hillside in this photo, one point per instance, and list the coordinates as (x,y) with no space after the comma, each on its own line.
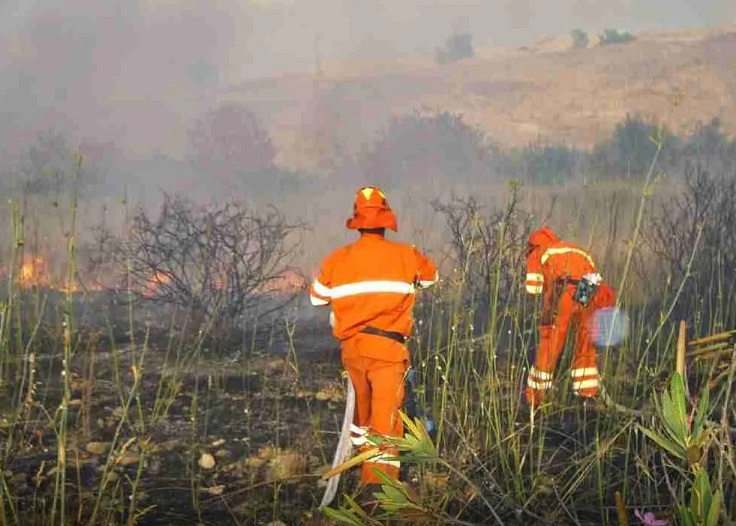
(549,91)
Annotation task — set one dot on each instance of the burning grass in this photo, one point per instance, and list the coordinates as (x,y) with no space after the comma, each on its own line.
(35,271)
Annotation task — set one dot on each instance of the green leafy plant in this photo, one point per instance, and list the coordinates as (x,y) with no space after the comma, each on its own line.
(396,500)
(705,506)
(685,434)
(686,437)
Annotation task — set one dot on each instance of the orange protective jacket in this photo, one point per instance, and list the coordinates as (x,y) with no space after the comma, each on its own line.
(551,259)
(372,282)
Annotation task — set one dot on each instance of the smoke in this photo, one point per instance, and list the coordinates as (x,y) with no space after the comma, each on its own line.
(138,72)
(132,72)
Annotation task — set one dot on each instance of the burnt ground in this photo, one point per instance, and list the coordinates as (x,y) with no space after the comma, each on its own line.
(235,433)
(214,431)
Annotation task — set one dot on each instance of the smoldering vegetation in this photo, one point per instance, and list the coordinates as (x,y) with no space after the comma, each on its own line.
(160,362)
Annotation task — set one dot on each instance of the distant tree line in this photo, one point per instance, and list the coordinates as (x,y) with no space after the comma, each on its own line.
(580,38)
(443,146)
(230,146)
(459,45)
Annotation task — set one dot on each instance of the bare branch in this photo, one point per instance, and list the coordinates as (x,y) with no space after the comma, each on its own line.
(218,260)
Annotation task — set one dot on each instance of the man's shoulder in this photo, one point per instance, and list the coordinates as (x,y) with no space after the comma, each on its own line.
(399,245)
(404,246)
(562,244)
(576,246)
(390,245)
(336,253)
(565,249)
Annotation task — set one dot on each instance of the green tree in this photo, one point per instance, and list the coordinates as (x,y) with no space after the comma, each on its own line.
(542,163)
(613,36)
(49,167)
(457,47)
(428,148)
(580,38)
(229,140)
(631,149)
(709,143)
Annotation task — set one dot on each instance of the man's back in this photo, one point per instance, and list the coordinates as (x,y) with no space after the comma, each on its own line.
(561,259)
(372,281)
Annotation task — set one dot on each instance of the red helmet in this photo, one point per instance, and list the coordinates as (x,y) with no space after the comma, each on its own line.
(543,237)
(370,210)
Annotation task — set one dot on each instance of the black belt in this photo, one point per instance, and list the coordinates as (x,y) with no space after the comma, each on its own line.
(568,281)
(396,336)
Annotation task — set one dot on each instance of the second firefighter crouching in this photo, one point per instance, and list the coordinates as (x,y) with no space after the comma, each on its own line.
(563,273)
(370,285)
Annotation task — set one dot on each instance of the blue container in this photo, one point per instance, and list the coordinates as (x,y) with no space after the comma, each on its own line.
(609,327)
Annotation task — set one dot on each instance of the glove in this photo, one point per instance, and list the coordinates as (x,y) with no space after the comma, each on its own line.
(605,297)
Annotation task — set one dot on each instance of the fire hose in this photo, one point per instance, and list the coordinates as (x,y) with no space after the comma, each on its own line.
(344,447)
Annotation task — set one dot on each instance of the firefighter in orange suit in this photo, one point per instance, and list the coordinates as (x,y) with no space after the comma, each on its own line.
(370,285)
(554,269)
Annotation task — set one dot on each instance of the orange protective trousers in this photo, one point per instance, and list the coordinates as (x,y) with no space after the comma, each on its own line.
(377,367)
(553,334)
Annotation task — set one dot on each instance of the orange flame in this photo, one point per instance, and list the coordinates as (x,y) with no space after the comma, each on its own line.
(154,283)
(33,272)
(288,282)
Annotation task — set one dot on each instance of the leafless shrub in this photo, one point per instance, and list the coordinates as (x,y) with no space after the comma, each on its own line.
(218,261)
(487,246)
(707,203)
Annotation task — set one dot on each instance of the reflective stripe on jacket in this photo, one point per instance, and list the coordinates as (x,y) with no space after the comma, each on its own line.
(546,264)
(372,282)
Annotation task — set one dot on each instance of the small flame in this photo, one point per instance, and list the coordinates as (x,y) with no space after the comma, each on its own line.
(288,282)
(154,283)
(33,272)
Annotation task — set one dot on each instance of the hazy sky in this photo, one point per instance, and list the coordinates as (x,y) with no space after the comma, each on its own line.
(260,37)
(72,61)
(288,28)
